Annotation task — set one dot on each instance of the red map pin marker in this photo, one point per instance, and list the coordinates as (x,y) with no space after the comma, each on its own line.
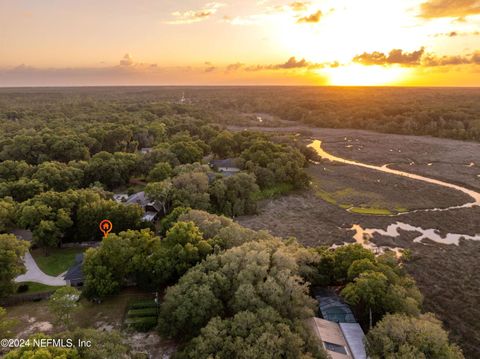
(106,227)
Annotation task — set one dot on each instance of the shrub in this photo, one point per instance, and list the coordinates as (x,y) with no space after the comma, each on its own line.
(142,324)
(143,304)
(143,312)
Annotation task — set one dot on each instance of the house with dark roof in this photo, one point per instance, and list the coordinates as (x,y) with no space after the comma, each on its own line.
(152,209)
(74,276)
(24,234)
(227,167)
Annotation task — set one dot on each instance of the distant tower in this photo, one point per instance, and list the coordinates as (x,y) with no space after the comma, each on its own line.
(182,100)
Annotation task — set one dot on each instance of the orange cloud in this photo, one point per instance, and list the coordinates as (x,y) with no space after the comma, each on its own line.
(310,19)
(449,8)
(192,16)
(415,58)
(396,56)
(299,5)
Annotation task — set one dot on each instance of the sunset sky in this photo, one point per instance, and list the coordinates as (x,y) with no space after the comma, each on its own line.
(242,42)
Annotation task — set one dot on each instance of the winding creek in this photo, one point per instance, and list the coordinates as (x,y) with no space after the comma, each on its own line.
(363,234)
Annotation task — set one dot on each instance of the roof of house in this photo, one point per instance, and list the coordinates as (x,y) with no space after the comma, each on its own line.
(228,162)
(149,216)
(120,197)
(142,200)
(331,336)
(75,273)
(24,234)
(138,198)
(354,336)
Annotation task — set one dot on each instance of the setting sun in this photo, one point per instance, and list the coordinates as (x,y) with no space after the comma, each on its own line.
(359,75)
(251,42)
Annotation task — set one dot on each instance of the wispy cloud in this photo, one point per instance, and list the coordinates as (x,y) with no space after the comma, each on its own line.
(299,5)
(192,16)
(126,60)
(432,60)
(449,8)
(234,67)
(457,33)
(291,64)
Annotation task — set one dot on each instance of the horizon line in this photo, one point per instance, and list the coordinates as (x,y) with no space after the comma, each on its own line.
(232,86)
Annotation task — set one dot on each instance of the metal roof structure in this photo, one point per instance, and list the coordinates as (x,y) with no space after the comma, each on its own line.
(354,336)
(142,200)
(332,307)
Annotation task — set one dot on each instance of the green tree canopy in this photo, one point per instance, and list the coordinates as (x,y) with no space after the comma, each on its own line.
(262,334)
(63,303)
(58,176)
(247,278)
(12,251)
(404,337)
(161,171)
(8,208)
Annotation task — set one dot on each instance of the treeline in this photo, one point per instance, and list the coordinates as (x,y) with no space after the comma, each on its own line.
(441,112)
(60,158)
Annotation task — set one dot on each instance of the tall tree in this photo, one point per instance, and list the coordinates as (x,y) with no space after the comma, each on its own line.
(7,214)
(63,303)
(404,337)
(12,251)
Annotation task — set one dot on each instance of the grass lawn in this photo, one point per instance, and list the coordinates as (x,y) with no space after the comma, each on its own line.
(372,211)
(37,287)
(57,261)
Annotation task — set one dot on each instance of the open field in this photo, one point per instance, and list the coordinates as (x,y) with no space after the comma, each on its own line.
(446,274)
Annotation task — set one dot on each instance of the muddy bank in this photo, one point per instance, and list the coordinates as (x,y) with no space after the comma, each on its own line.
(315,222)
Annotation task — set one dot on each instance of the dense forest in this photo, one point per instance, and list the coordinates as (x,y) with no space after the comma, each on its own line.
(64,155)
(441,112)
(228,291)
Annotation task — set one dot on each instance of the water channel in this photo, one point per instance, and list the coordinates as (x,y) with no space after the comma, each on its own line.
(363,234)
